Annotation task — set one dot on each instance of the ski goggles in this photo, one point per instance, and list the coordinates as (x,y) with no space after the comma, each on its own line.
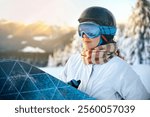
(93,30)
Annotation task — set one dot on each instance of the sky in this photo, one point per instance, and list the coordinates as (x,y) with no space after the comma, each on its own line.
(60,12)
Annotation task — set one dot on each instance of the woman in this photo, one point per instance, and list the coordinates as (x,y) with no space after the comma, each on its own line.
(102,73)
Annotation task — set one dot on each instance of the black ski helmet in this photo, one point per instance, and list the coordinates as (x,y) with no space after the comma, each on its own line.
(99,15)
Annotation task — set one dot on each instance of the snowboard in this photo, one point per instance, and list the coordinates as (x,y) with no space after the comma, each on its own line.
(22,81)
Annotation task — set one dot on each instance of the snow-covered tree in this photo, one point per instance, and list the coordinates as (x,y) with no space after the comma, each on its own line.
(76,44)
(135,42)
(60,56)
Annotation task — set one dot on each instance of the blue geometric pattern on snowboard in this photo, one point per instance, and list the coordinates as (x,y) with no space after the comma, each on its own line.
(22,81)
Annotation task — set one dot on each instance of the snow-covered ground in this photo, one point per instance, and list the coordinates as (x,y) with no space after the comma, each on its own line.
(142,70)
(54,71)
(32,49)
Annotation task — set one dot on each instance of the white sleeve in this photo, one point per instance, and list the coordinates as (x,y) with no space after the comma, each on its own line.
(130,86)
(66,70)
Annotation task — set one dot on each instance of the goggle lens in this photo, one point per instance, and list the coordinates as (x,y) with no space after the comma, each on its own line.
(90,29)
(93,30)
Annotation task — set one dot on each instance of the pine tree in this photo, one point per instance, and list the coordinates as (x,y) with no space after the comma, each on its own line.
(135,42)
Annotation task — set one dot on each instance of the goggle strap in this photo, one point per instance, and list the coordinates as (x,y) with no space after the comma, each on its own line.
(104,38)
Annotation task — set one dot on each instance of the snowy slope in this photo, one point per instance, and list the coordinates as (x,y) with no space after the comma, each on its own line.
(54,71)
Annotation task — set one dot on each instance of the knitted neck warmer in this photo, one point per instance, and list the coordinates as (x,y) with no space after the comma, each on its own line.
(99,55)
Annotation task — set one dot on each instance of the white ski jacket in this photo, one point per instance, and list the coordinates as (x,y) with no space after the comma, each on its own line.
(112,80)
